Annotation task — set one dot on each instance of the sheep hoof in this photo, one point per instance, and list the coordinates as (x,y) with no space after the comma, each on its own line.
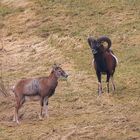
(40,117)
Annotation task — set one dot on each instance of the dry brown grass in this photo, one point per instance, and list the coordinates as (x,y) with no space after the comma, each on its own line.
(37,33)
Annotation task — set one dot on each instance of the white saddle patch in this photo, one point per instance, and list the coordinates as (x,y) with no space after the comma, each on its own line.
(93,62)
(115,58)
(112,55)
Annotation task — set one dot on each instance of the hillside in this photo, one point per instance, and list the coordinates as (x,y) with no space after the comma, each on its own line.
(36,34)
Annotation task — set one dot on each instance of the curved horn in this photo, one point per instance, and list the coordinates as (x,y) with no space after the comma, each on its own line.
(91,41)
(104,39)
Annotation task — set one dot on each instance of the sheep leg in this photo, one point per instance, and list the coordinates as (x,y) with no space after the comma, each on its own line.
(99,88)
(108,77)
(16,115)
(46,106)
(18,106)
(41,110)
(113,84)
(15,118)
(99,83)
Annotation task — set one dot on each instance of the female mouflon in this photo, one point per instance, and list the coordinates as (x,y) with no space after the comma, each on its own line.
(42,87)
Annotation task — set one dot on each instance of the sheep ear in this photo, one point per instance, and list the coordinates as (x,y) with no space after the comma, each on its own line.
(59,65)
(54,66)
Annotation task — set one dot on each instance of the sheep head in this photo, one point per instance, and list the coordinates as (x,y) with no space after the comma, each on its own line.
(103,40)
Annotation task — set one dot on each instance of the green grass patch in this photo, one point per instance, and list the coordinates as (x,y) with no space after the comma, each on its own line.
(5,10)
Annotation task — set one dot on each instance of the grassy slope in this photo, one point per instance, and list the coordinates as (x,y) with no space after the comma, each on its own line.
(58,29)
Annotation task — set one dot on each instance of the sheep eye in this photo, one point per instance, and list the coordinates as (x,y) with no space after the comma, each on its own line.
(59,71)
